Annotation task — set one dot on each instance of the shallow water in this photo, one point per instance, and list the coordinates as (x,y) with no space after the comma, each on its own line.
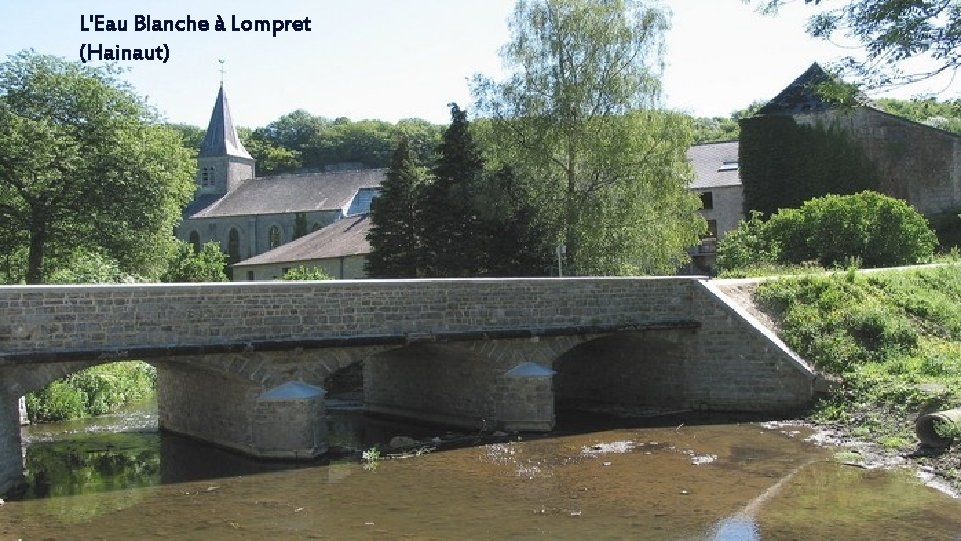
(698,480)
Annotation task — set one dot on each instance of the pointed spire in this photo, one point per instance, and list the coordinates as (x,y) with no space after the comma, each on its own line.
(221,137)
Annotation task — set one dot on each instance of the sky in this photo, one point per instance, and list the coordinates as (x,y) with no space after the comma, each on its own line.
(394,59)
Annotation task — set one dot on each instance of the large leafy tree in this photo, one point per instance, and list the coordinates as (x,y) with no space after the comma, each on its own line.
(891,32)
(395,220)
(575,117)
(84,166)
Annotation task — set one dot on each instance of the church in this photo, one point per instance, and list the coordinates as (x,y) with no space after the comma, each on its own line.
(251,216)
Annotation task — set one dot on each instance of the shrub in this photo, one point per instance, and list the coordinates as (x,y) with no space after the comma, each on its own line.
(93,391)
(869,227)
(304,272)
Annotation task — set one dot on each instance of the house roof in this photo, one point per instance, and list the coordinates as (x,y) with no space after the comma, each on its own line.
(803,95)
(293,193)
(715,165)
(221,137)
(342,238)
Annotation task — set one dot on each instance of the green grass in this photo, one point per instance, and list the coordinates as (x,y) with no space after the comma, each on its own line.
(894,337)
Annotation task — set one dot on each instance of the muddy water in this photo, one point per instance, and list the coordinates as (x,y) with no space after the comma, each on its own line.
(693,481)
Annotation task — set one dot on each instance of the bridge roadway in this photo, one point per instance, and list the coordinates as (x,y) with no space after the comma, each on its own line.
(243,364)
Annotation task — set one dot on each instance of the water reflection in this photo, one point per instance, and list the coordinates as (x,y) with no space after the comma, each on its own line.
(673,481)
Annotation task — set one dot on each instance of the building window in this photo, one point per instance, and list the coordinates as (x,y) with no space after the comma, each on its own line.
(203,177)
(707,200)
(273,237)
(195,241)
(728,165)
(233,245)
(250,276)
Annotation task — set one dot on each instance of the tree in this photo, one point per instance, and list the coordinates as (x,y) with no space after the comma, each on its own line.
(395,220)
(892,32)
(609,175)
(84,165)
(451,240)
(207,264)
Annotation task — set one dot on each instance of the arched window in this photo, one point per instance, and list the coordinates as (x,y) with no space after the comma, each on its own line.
(233,245)
(273,237)
(195,240)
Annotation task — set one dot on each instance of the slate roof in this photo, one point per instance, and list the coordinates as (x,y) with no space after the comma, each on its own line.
(342,238)
(221,136)
(802,96)
(293,193)
(708,163)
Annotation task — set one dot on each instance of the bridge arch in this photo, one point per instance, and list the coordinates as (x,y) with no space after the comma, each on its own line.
(628,371)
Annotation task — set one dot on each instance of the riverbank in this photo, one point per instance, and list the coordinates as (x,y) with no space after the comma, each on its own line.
(891,340)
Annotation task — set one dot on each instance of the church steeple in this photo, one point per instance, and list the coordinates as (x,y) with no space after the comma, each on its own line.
(221,138)
(223,163)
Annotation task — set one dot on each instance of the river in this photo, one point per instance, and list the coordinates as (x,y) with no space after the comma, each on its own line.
(679,478)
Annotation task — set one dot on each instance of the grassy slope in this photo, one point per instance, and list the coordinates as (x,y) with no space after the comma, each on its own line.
(894,337)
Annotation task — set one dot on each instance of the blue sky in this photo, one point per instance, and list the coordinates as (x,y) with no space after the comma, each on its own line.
(392,59)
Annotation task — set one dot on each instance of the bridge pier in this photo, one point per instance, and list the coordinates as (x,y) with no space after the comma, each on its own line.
(11,450)
(239,415)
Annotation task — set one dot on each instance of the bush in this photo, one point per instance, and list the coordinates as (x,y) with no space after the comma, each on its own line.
(189,265)
(94,391)
(868,227)
(304,272)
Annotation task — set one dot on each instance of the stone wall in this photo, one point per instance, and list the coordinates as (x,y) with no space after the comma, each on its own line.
(917,163)
(104,320)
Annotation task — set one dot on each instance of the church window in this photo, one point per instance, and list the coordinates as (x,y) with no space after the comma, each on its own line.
(233,245)
(203,177)
(195,240)
(273,237)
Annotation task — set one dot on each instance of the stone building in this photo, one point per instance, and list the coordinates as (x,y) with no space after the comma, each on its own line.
(717,181)
(917,163)
(249,215)
(340,250)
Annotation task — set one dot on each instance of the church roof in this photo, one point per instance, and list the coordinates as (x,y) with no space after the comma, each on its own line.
(221,137)
(342,238)
(803,95)
(293,193)
(715,165)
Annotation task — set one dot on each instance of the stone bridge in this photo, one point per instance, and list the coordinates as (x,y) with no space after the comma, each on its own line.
(240,364)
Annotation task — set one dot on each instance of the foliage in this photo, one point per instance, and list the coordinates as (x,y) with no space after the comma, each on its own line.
(299,139)
(190,265)
(450,238)
(890,335)
(871,228)
(84,166)
(303,272)
(892,32)
(90,268)
(94,391)
(711,130)
(945,115)
(394,234)
(608,176)
(783,164)
(271,158)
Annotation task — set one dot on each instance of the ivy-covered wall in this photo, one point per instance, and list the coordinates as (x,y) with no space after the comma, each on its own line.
(783,163)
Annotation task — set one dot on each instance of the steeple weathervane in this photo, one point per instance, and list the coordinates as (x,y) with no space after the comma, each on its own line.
(222,70)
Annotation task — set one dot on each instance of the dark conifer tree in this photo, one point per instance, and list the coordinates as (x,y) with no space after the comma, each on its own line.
(395,221)
(452,241)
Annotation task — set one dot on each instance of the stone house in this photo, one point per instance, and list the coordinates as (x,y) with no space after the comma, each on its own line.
(717,181)
(249,215)
(915,162)
(339,249)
